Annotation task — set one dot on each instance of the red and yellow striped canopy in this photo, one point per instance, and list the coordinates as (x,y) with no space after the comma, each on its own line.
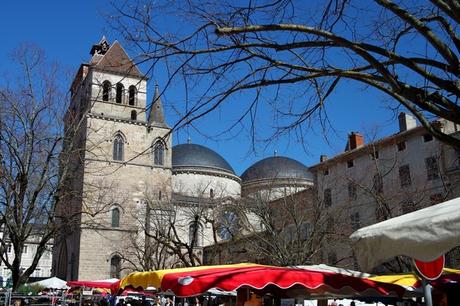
(413,281)
(197,280)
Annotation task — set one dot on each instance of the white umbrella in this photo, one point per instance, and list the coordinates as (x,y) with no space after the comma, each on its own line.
(425,235)
(51,283)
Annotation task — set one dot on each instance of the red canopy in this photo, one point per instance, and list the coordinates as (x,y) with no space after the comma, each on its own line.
(298,281)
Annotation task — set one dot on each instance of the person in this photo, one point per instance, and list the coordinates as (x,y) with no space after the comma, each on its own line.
(169,302)
(334,303)
(158,301)
(352,303)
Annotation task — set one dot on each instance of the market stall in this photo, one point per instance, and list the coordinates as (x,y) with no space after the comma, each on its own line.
(282,281)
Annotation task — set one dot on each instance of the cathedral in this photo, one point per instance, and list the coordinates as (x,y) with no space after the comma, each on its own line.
(138,201)
(124,160)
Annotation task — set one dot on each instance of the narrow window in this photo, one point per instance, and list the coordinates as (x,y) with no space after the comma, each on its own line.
(377,183)
(326,172)
(211,193)
(25,249)
(116,217)
(132,95)
(115,266)
(9,248)
(350,164)
(133,115)
(401,146)
(432,169)
(118,148)
(106,90)
(327,197)
(404,176)
(427,137)
(355,221)
(352,191)
(158,153)
(120,93)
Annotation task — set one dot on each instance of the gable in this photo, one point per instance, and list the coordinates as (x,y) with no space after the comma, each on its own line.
(116,60)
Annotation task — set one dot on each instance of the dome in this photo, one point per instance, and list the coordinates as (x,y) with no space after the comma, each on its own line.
(277,167)
(197,156)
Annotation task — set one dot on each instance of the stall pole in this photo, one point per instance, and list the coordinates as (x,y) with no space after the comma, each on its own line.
(427,292)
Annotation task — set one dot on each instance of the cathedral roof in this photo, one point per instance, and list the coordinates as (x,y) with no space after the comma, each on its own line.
(198,157)
(276,167)
(114,59)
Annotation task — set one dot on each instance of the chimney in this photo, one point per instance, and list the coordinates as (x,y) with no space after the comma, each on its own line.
(355,140)
(322,158)
(406,122)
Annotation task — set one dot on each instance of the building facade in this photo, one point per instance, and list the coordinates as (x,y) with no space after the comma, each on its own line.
(44,266)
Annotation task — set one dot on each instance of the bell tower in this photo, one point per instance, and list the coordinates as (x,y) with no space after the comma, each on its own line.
(127,154)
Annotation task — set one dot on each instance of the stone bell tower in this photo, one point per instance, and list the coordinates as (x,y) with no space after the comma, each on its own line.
(124,157)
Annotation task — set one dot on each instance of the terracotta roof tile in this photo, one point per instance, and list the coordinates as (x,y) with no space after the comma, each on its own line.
(116,60)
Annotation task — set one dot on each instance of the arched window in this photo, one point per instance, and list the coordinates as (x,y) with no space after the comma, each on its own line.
(116,217)
(158,153)
(115,266)
(132,95)
(133,115)
(211,193)
(120,93)
(118,144)
(106,86)
(194,235)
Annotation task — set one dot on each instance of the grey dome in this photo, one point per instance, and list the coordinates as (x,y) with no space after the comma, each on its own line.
(277,167)
(196,156)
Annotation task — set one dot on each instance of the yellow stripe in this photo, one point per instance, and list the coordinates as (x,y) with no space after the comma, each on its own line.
(154,278)
(398,279)
(408,279)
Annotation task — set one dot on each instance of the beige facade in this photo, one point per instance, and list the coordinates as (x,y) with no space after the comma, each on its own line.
(385,178)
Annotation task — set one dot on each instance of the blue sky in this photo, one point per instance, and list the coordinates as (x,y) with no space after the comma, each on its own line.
(66,30)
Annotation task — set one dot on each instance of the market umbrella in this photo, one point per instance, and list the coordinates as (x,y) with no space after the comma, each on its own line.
(425,235)
(197,280)
(111,284)
(51,283)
